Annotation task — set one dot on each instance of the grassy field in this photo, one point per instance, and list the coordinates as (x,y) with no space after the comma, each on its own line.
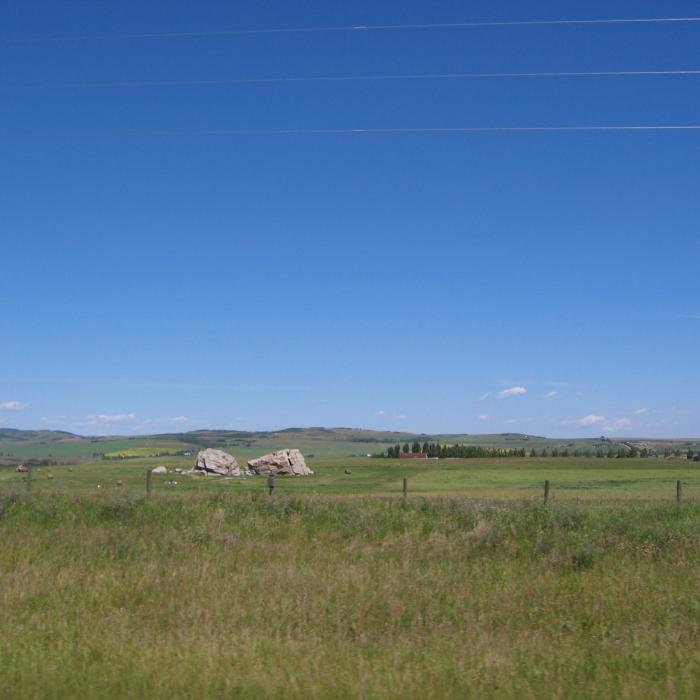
(238,595)
(571,478)
(339,588)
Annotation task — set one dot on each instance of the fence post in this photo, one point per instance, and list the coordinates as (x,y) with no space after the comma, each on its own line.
(29,479)
(546,492)
(405,487)
(678,491)
(149,483)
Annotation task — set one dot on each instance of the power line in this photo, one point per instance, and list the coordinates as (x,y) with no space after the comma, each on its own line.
(351,28)
(348,78)
(48,136)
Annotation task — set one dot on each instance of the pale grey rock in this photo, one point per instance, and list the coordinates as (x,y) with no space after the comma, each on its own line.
(212,461)
(160,470)
(282,463)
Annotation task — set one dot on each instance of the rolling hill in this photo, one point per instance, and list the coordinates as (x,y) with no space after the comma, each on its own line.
(314,442)
(14,435)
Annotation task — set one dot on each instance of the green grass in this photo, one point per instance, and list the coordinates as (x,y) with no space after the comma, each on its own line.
(571,478)
(237,595)
(338,588)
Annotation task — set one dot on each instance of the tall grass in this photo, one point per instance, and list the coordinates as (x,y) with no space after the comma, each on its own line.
(240,596)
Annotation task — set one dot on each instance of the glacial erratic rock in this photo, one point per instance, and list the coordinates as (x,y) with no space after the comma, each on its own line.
(211,461)
(282,463)
(160,470)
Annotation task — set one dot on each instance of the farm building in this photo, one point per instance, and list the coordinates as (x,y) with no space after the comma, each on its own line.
(414,455)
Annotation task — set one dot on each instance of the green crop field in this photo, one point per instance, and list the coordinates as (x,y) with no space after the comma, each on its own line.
(87,448)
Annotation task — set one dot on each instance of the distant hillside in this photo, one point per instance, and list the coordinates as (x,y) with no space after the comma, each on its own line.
(13,435)
(313,442)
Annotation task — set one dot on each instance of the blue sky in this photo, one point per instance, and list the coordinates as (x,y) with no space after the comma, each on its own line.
(544,283)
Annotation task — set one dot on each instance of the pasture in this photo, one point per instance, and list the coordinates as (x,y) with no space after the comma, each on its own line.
(520,478)
(238,595)
(338,587)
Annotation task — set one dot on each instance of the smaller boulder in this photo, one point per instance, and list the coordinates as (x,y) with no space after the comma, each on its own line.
(211,461)
(159,470)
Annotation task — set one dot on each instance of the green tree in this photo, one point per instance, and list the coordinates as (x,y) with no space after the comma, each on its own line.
(406,448)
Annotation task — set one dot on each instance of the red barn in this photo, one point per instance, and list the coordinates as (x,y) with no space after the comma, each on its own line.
(414,455)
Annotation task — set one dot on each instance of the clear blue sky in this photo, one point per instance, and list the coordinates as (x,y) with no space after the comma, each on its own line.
(384,281)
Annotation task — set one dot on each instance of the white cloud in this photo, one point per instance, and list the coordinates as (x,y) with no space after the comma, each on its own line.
(14,405)
(401,416)
(619,424)
(381,412)
(590,420)
(586,420)
(551,394)
(514,391)
(115,418)
(484,417)
(485,396)
(180,419)
(641,411)
(511,421)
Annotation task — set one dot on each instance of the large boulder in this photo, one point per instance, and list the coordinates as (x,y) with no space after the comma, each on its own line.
(212,461)
(282,463)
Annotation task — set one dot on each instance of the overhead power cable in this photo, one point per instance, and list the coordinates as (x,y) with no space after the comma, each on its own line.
(84,135)
(348,78)
(353,28)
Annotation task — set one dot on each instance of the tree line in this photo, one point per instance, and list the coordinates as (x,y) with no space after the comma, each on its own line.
(436,450)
